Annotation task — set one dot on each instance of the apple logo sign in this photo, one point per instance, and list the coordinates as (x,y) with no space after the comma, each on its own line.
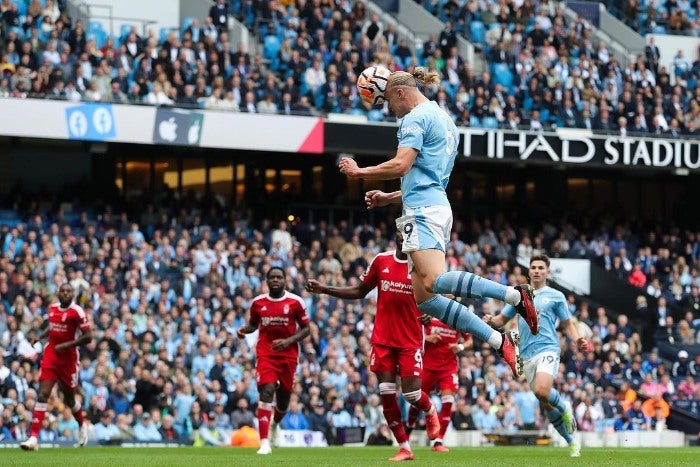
(193,133)
(168,129)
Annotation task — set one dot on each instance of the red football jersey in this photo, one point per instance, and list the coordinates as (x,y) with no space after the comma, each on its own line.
(277,318)
(439,356)
(64,324)
(396,322)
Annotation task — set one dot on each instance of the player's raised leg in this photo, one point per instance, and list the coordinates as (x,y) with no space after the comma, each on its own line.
(428,265)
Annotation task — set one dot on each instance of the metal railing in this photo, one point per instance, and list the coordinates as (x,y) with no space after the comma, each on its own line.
(84,11)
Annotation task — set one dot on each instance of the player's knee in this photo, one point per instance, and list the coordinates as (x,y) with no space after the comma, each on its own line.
(542,393)
(267,395)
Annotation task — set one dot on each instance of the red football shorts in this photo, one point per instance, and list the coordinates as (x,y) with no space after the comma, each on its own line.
(276,371)
(66,373)
(445,380)
(408,363)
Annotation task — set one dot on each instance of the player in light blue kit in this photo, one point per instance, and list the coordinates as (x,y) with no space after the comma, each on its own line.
(541,353)
(428,140)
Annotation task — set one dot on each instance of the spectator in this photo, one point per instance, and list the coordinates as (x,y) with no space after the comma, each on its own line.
(294,419)
(381,436)
(106,430)
(210,434)
(167,430)
(146,430)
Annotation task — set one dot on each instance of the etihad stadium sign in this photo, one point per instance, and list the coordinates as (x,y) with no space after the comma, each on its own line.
(580,147)
(564,146)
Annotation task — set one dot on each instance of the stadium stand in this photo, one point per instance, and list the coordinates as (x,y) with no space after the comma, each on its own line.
(166,289)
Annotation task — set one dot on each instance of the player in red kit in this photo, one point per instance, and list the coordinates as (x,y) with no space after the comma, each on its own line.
(281,318)
(397,340)
(440,367)
(60,362)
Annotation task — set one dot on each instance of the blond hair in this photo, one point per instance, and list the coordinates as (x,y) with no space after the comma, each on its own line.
(419,75)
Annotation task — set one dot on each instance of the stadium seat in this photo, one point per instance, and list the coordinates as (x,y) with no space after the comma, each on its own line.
(271,47)
(490,122)
(474,121)
(502,74)
(124,31)
(658,30)
(375,115)
(477,31)
(163,34)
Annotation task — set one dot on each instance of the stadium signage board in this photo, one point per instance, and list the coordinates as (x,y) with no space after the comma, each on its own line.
(580,147)
(144,124)
(565,146)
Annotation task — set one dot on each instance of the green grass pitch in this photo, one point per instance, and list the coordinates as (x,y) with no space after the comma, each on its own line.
(350,456)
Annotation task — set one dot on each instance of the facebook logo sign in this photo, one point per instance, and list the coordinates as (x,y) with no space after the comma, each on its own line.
(90,122)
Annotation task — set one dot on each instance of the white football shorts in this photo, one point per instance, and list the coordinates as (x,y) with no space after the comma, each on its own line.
(545,362)
(425,228)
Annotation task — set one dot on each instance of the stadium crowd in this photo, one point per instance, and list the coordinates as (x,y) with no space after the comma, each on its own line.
(166,291)
(677,17)
(543,69)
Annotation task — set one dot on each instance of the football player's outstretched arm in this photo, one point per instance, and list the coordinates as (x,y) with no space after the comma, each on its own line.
(349,292)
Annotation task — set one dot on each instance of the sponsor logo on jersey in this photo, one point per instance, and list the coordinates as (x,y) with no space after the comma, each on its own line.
(413,129)
(274,321)
(396,287)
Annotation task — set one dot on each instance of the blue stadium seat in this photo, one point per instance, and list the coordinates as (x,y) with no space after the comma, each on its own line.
(477,30)
(490,122)
(502,74)
(544,115)
(375,115)
(22,7)
(124,31)
(659,30)
(474,121)
(163,35)
(271,47)
(186,22)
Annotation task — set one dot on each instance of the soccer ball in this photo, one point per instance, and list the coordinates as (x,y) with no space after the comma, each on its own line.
(371,84)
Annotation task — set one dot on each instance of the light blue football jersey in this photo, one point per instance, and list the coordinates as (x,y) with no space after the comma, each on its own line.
(551,308)
(428,129)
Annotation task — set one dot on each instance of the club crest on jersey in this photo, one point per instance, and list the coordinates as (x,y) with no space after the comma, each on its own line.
(63,317)
(285,310)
